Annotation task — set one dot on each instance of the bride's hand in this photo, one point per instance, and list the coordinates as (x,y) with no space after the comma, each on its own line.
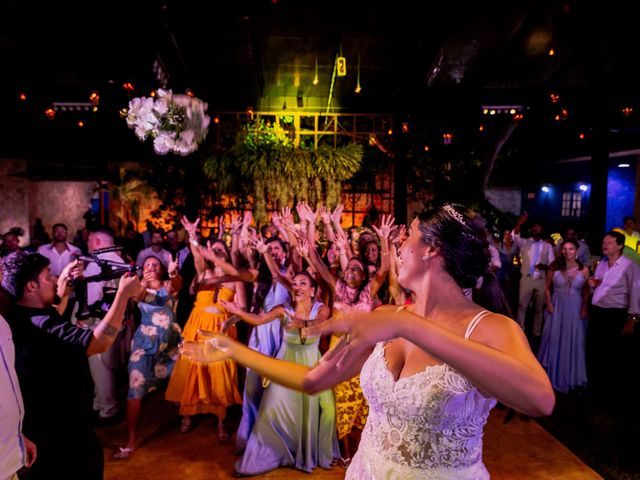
(360,332)
(211,347)
(203,352)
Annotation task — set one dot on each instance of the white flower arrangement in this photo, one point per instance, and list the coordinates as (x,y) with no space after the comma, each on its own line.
(177,123)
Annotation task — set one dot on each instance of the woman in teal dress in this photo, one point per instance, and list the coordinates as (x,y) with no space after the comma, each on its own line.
(292,429)
(154,349)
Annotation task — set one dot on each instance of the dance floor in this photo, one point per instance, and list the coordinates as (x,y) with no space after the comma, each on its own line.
(519,449)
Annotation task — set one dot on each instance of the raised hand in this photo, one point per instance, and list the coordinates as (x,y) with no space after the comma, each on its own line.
(190,227)
(305,212)
(303,247)
(257,243)
(386,226)
(236,224)
(172,268)
(336,215)
(341,240)
(325,214)
(276,219)
(287,219)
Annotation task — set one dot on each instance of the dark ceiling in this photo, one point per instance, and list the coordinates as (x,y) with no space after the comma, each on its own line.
(443,61)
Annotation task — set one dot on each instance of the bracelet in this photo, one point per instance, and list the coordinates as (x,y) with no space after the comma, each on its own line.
(194,242)
(384,254)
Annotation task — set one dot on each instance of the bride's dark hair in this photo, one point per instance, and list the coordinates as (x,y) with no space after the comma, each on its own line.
(459,235)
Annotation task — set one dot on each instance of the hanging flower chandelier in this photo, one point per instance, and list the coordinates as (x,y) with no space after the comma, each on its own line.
(177,123)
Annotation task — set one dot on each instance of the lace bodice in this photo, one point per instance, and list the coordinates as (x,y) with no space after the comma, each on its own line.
(425,426)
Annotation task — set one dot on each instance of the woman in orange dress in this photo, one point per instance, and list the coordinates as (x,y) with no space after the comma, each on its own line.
(211,388)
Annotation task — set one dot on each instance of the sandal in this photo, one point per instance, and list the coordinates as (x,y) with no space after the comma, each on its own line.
(123,453)
(185,424)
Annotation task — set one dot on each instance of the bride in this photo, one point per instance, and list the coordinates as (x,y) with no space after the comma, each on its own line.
(432,371)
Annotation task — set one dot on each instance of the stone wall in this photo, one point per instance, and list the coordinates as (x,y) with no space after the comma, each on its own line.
(22,201)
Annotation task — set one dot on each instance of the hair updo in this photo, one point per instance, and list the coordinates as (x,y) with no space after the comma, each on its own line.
(459,235)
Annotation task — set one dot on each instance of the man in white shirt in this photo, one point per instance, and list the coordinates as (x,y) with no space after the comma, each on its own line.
(16,450)
(612,343)
(536,255)
(102,365)
(614,312)
(156,250)
(59,252)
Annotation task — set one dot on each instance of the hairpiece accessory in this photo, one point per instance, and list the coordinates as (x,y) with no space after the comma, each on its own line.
(455,214)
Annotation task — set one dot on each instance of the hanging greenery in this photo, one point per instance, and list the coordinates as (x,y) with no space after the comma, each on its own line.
(265,165)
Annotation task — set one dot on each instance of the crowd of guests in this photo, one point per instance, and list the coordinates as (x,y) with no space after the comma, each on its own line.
(264,287)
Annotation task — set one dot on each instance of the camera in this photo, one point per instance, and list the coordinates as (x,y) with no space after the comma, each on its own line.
(109,270)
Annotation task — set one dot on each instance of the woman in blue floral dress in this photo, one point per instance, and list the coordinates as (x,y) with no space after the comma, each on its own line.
(154,348)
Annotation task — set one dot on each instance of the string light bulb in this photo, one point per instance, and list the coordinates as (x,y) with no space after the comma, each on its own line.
(94,98)
(358,87)
(315,78)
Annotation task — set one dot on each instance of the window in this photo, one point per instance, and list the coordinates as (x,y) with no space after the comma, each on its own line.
(572,204)
(531,196)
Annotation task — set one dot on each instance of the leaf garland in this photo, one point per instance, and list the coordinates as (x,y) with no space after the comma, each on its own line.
(276,171)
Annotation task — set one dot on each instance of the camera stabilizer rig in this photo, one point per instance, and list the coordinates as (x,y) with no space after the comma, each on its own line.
(109,270)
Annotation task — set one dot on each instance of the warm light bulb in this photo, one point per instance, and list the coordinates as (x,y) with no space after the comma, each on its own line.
(315,81)
(358,89)
(80,124)
(94,98)
(552,52)
(23,97)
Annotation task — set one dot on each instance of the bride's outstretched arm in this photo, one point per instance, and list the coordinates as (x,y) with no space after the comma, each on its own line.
(311,380)
(497,359)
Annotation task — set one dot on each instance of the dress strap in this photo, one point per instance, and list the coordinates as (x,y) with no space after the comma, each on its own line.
(474,323)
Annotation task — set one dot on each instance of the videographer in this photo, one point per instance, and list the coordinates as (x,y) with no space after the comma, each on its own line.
(99,297)
(52,367)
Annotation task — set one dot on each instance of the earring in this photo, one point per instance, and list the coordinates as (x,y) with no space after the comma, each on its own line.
(426,257)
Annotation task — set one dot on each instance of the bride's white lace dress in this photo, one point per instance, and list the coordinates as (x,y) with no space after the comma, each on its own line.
(426,426)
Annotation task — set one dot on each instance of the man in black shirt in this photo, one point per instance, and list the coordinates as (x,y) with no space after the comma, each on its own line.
(52,367)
